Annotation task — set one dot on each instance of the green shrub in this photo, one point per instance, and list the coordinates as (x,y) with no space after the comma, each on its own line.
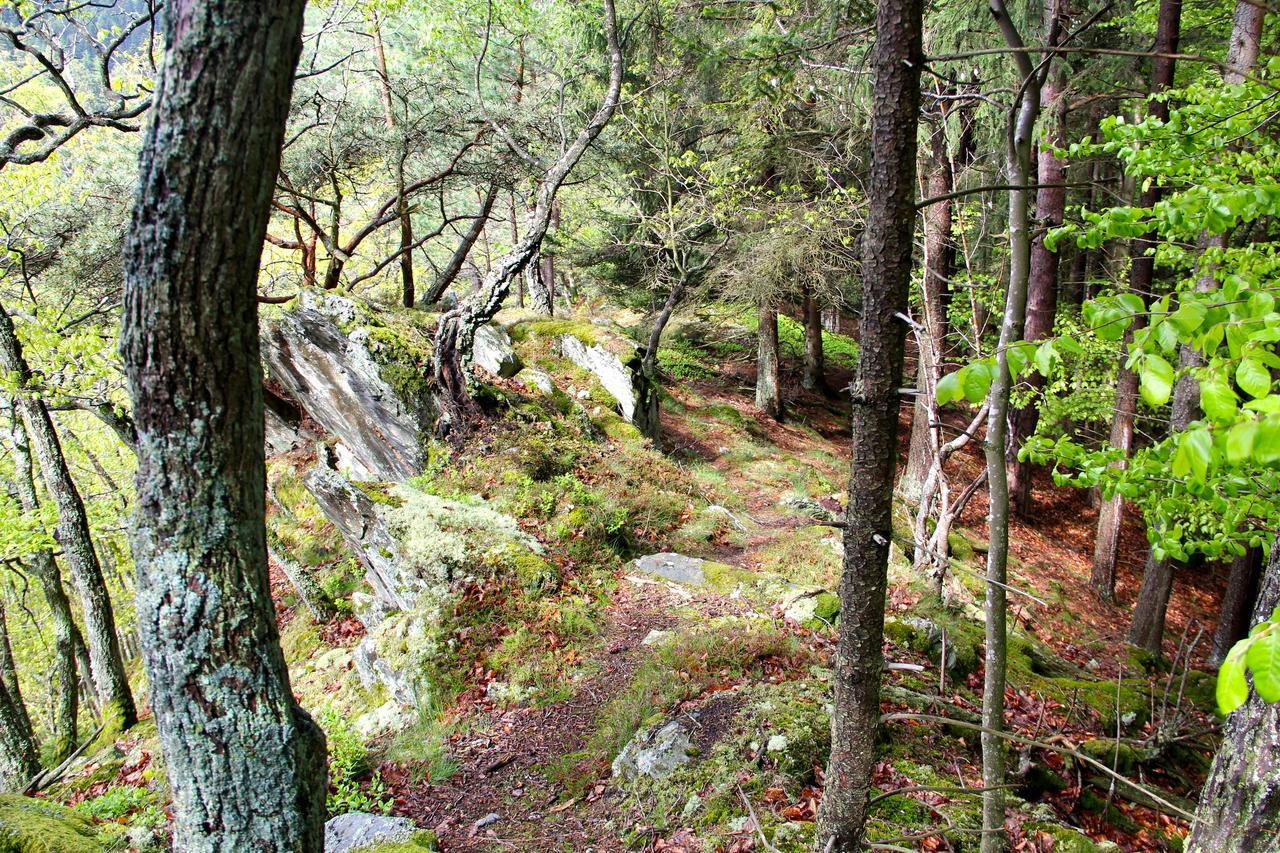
(348,761)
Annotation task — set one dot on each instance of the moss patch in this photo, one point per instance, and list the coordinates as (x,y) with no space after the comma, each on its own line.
(30,825)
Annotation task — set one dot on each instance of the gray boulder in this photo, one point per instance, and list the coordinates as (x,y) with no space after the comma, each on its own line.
(356,379)
(357,831)
(653,754)
(492,350)
(807,506)
(673,567)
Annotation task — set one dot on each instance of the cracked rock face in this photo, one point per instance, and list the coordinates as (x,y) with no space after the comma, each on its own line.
(492,350)
(624,380)
(325,361)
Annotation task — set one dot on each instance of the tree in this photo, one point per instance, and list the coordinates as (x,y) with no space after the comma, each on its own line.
(1239,806)
(456,331)
(245,763)
(768,358)
(896,60)
(1141,276)
(72,533)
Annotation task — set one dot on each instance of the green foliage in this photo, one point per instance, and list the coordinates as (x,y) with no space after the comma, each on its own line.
(1260,654)
(348,762)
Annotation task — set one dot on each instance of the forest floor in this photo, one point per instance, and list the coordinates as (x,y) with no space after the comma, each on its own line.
(502,796)
(612,651)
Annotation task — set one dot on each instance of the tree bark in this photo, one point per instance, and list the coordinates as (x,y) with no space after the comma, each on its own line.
(66,688)
(1042,289)
(246,764)
(768,392)
(650,361)
(9,679)
(815,376)
(1240,803)
(939,266)
(1237,603)
(72,534)
(896,60)
(1141,277)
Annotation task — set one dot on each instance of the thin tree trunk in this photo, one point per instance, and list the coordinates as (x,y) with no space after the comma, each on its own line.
(402,206)
(18,752)
(246,764)
(9,678)
(1240,803)
(815,378)
(650,360)
(768,392)
(459,256)
(1237,603)
(66,688)
(1015,308)
(896,60)
(1042,291)
(73,536)
(1141,277)
(939,266)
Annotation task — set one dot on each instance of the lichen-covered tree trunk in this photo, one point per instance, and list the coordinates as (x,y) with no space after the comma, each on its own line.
(896,60)
(939,265)
(1240,803)
(66,688)
(246,765)
(111,683)
(18,754)
(768,392)
(9,679)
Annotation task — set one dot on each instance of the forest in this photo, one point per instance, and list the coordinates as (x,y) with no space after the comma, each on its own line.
(701,426)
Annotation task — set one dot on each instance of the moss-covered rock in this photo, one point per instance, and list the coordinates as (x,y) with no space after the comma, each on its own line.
(30,825)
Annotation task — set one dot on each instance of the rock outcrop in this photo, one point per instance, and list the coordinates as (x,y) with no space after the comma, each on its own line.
(492,350)
(358,378)
(357,831)
(655,754)
(616,364)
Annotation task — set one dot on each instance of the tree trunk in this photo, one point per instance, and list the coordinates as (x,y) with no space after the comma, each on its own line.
(9,679)
(456,331)
(939,266)
(650,361)
(459,256)
(1237,603)
(246,765)
(18,753)
(1042,290)
(1018,157)
(1141,276)
(896,60)
(66,688)
(1240,803)
(768,392)
(815,377)
(72,534)
(1147,630)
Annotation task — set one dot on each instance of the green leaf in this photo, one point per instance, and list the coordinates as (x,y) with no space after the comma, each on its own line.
(1156,380)
(1217,399)
(1188,317)
(1232,690)
(1253,378)
(977,381)
(948,389)
(1240,441)
(1263,658)
(1197,445)
(1266,443)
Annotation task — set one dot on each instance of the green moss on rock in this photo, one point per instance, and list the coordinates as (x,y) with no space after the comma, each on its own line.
(29,825)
